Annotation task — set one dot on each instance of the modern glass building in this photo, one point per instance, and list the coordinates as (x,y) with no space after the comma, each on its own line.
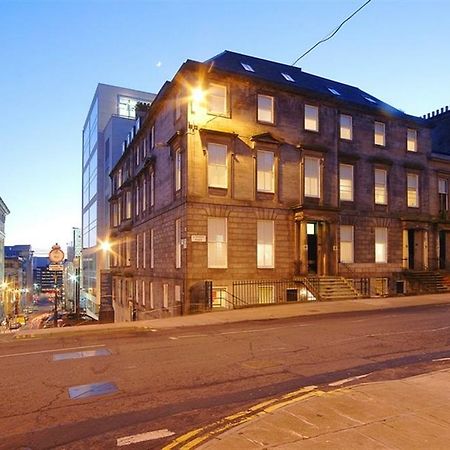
(110,118)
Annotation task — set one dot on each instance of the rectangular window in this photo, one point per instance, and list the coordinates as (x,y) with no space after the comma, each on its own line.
(144,194)
(145,150)
(127,107)
(311,118)
(312,177)
(152,137)
(217,243)
(443,195)
(346,182)
(381,197)
(143,293)
(178,170)
(381,245)
(265,171)
(346,128)
(152,188)
(138,200)
(177,243)
(219,297)
(137,289)
(128,252)
(347,247)
(165,296)
(128,205)
(177,293)
(152,249)
(265,108)
(411,140)
(265,244)
(413,190)
(217,99)
(217,166)
(144,250)
(138,250)
(152,301)
(266,294)
(380,134)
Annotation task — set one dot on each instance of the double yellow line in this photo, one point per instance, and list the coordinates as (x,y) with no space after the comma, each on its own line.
(195,437)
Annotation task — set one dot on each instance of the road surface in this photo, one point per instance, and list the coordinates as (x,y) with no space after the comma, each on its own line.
(175,380)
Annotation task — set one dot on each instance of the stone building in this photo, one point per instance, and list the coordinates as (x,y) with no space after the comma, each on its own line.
(4,211)
(439,162)
(249,181)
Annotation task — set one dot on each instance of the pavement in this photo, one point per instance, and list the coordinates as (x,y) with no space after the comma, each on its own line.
(410,413)
(270,312)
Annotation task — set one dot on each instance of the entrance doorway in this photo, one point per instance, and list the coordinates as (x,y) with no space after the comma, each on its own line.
(442,249)
(311,233)
(411,249)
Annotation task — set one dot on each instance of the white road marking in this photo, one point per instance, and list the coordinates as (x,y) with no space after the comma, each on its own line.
(441,359)
(347,380)
(184,336)
(51,351)
(429,330)
(151,435)
(260,330)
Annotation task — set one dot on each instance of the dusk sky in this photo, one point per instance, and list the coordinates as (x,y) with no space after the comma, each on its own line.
(53,54)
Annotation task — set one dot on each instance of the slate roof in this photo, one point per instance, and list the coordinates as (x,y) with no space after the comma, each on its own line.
(272,72)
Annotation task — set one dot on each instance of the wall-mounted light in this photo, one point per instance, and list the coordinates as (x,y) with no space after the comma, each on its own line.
(197,98)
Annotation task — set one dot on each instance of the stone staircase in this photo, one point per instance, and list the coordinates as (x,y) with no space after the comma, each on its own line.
(428,281)
(331,288)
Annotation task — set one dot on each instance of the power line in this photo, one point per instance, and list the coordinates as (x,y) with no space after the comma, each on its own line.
(332,34)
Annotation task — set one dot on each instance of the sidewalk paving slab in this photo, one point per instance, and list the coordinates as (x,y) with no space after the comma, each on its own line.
(410,413)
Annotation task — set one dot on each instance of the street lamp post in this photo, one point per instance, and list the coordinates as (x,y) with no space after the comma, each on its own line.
(56,256)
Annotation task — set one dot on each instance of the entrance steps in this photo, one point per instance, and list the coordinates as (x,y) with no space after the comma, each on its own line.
(428,281)
(331,288)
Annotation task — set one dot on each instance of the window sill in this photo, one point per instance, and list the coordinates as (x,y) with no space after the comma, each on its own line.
(225,115)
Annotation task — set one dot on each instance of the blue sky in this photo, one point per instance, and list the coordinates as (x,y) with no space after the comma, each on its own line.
(53,54)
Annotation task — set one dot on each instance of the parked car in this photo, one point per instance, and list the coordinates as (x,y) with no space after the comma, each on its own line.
(14,325)
(21,318)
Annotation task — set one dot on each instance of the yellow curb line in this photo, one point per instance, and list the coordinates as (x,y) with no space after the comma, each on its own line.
(195,437)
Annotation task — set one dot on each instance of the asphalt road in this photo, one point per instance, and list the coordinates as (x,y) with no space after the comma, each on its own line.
(179,379)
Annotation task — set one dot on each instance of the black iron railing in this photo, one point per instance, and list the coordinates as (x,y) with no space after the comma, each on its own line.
(266,292)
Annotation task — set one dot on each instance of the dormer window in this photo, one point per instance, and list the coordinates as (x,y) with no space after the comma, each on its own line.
(287,77)
(371,100)
(247,67)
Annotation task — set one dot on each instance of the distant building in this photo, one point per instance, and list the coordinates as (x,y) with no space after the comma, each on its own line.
(248,182)
(15,295)
(110,117)
(4,211)
(25,253)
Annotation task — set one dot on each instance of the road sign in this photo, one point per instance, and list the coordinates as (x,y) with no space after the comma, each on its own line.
(55,267)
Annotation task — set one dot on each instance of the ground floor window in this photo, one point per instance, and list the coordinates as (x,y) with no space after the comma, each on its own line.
(165,296)
(219,297)
(266,294)
(381,286)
